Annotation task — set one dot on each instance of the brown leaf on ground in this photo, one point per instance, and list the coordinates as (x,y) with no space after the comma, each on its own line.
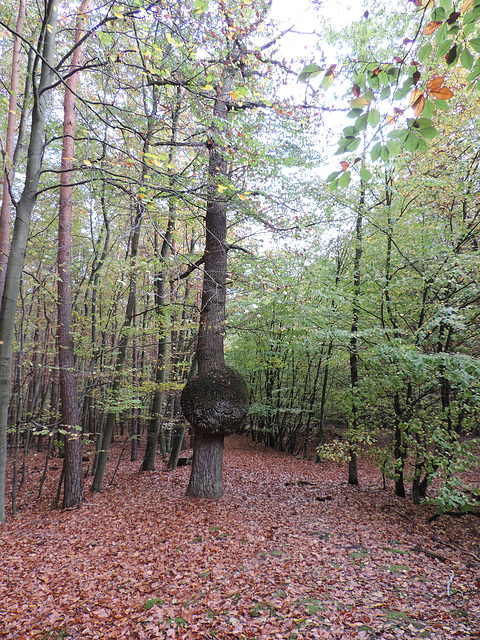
(267,561)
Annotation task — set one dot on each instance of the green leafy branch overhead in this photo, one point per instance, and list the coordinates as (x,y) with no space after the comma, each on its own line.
(453,40)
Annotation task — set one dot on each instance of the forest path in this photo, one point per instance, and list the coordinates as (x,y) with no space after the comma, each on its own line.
(268,560)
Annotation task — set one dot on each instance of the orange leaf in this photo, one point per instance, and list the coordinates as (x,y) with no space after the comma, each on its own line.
(391,119)
(444,93)
(416,93)
(397,111)
(418,105)
(431,27)
(356,90)
(344,165)
(435,83)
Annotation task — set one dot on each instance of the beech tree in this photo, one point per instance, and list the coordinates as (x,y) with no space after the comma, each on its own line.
(71,423)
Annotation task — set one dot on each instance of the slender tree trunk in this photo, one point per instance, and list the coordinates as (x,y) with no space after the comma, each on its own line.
(148,463)
(352,465)
(73,493)
(120,359)
(24,208)
(9,148)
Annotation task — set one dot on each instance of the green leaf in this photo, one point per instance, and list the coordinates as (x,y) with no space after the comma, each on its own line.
(353,145)
(151,603)
(349,131)
(365,174)
(425,51)
(438,14)
(422,123)
(310,71)
(384,153)
(375,152)
(468,28)
(444,47)
(411,142)
(394,148)
(344,181)
(475,43)
(354,113)
(422,144)
(333,186)
(200,6)
(385,93)
(475,72)
(441,104)
(429,133)
(447,5)
(428,109)
(361,122)
(441,33)
(396,133)
(373,117)
(332,176)
(466,59)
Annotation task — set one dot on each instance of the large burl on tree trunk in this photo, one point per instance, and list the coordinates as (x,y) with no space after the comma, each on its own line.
(215,403)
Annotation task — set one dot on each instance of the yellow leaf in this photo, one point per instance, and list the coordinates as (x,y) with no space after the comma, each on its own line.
(221,188)
(241,197)
(418,105)
(87,162)
(359,102)
(431,27)
(467,5)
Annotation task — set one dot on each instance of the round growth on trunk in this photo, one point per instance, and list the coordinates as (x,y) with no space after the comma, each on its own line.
(216,402)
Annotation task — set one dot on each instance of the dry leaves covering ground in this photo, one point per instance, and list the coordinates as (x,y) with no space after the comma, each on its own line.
(268,560)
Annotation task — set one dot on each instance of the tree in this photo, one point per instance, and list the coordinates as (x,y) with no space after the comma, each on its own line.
(43,81)
(73,493)
(215,402)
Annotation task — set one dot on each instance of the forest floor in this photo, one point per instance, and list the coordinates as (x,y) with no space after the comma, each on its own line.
(271,559)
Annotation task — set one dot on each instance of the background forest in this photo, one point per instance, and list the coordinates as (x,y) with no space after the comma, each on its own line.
(350,177)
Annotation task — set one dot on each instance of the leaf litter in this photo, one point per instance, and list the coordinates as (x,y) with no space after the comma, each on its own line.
(267,560)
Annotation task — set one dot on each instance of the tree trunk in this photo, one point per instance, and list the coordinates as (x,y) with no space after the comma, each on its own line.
(206,477)
(161,301)
(24,208)
(9,148)
(352,465)
(73,493)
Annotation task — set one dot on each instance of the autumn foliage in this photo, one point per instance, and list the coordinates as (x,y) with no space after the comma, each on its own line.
(290,551)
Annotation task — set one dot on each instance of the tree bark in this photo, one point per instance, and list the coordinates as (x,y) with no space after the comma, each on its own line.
(352,465)
(24,208)
(9,148)
(205,480)
(206,476)
(73,493)
(148,463)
